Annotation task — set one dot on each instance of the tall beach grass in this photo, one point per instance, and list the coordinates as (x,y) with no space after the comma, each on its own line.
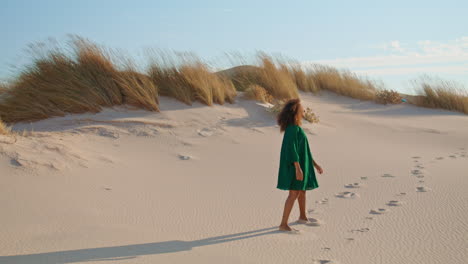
(85,77)
(188,79)
(3,129)
(274,78)
(343,83)
(282,79)
(443,94)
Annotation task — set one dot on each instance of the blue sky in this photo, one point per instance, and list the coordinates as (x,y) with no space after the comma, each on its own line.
(392,41)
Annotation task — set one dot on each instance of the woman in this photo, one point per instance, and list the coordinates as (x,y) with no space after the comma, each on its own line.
(296,170)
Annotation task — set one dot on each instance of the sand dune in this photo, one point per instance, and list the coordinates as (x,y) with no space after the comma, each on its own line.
(196,184)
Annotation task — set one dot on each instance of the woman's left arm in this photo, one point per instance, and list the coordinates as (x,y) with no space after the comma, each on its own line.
(320,170)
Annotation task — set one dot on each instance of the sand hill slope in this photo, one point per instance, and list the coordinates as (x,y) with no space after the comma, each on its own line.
(196,184)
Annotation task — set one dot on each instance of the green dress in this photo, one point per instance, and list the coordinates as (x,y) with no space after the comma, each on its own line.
(295,147)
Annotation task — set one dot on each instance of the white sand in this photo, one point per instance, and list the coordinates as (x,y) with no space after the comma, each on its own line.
(198,185)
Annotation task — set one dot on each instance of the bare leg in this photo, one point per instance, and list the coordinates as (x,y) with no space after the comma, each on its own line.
(288,205)
(301,199)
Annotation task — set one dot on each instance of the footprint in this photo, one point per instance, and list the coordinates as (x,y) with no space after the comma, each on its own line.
(421,181)
(369,217)
(422,189)
(401,194)
(416,157)
(314,211)
(349,238)
(292,232)
(387,175)
(416,172)
(14,162)
(394,203)
(205,132)
(453,156)
(257,130)
(324,261)
(323,201)
(347,195)
(353,185)
(363,178)
(439,158)
(183,157)
(419,166)
(314,222)
(361,230)
(378,211)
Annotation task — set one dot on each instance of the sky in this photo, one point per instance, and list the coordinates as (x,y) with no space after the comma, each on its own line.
(395,42)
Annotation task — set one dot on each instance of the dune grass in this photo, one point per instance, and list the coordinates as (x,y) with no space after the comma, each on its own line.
(388,97)
(305,81)
(189,80)
(258,93)
(311,116)
(275,79)
(343,83)
(437,93)
(86,77)
(282,79)
(4,130)
(83,80)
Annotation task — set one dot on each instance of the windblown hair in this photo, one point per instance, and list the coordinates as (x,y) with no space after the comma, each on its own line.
(289,114)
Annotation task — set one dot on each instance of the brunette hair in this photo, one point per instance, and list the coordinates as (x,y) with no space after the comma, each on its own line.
(289,114)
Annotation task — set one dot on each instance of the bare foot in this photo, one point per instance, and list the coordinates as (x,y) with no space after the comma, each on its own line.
(285,228)
(302,220)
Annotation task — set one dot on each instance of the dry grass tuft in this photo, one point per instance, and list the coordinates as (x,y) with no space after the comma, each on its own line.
(436,93)
(190,80)
(343,83)
(83,80)
(258,93)
(388,97)
(4,130)
(86,77)
(311,116)
(283,79)
(3,88)
(304,80)
(138,90)
(278,105)
(275,79)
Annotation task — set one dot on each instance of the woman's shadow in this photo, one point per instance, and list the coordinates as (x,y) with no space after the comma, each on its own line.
(130,251)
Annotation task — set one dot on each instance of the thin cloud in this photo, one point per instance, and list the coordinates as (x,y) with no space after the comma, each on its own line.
(430,55)
(457,70)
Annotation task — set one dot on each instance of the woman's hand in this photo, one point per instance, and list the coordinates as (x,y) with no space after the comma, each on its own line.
(299,174)
(319,169)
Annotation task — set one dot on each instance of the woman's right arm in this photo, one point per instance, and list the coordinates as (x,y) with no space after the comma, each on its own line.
(299,174)
(293,153)
(296,164)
